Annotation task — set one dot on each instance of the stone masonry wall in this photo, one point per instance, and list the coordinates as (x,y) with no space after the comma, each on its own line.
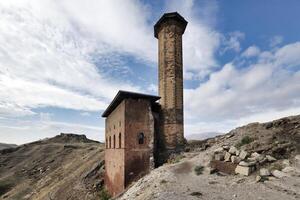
(171,83)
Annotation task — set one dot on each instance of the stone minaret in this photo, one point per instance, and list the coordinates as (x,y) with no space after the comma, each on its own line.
(169,30)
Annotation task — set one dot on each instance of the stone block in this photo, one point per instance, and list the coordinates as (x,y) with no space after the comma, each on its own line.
(219,156)
(232,150)
(227,157)
(279,174)
(243,170)
(243,154)
(270,158)
(235,159)
(247,164)
(264,172)
(218,150)
(224,167)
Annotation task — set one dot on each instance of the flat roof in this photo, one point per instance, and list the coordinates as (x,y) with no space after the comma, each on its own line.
(121,95)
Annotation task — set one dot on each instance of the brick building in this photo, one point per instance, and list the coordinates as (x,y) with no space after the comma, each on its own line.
(139,131)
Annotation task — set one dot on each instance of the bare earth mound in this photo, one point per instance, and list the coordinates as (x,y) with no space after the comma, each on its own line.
(67,166)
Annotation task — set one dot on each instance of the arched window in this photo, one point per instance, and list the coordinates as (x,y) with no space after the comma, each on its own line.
(109,142)
(114,141)
(106,144)
(120,140)
(141,138)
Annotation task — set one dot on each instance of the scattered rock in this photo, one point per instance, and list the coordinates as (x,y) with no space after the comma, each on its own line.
(219,156)
(264,172)
(232,150)
(279,174)
(235,159)
(258,179)
(243,170)
(255,155)
(227,157)
(218,150)
(247,164)
(243,154)
(270,158)
(289,170)
(226,147)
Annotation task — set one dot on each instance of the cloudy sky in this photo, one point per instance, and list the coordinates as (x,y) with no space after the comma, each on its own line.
(62,61)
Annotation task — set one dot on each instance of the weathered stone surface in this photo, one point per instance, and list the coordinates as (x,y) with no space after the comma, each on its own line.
(227,157)
(224,167)
(243,170)
(226,147)
(279,174)
(232,150)
(235,159)
(255,155)
(219,156)
(247,164)
(243,154)
(237,152)
(270,158)
(289,170)
(264,172)
(218,150)
(258,179)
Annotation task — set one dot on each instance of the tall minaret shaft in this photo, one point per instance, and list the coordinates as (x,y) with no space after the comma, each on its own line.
(169,30)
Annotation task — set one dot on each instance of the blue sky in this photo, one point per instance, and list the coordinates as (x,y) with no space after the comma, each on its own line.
(61,62)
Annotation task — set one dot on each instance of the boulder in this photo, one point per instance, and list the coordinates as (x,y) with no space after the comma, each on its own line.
(243,154)
(235,159)
(243,170)
(227,157)
(237,152)
(270,158)
(264,172)
(279,174)
(232,150)
(258,179)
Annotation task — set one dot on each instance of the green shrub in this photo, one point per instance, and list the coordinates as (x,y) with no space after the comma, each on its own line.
(103,195)
(245,140)
(198,170)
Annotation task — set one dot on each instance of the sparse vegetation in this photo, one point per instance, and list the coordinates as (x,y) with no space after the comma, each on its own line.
(197,194)
(176,159)
(276,166)
(245,140)
(199,170)
(5,186)
(103,195)
(163,181)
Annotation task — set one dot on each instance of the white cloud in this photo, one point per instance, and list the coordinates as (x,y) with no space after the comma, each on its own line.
(262,89)
(232,42)
(46,61)
(276,40)
(20,132)
(200,39)
(85,114)
(251,51)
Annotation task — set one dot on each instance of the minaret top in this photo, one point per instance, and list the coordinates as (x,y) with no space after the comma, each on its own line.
(169,16)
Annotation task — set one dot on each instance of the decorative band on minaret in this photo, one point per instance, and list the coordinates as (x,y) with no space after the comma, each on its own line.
(169,30)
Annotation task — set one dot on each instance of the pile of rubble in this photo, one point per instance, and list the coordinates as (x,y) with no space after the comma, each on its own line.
(231,160)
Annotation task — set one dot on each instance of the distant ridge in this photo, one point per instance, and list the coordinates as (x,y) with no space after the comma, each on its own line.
(7,146)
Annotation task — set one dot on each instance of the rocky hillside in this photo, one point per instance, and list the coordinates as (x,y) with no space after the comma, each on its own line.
(257,161)
(67,166)
(7,146)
